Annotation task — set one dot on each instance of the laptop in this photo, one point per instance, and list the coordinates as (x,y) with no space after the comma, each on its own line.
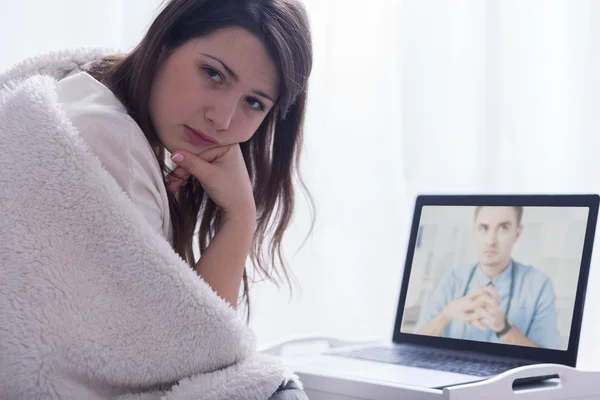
(491,283)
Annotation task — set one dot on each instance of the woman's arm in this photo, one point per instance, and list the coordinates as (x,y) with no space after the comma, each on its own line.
(224,176)
(222,263)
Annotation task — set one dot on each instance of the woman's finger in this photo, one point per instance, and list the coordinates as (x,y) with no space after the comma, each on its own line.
(198,166)
(180,173)
(173,188)
(176,179)
(175,184)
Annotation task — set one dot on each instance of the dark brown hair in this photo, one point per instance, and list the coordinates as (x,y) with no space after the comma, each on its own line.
(518,212)
(272,154)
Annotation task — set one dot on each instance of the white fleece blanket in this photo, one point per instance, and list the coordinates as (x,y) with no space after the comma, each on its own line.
(93,303)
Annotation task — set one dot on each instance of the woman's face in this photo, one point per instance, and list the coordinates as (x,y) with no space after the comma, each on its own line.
(214,90)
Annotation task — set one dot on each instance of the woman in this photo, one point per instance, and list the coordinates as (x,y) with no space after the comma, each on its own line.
(218,87)
(230,76)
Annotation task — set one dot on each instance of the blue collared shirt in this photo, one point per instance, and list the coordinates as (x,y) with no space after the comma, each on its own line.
(532,310)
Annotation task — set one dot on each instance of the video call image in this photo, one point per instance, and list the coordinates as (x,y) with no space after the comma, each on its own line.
(496,274)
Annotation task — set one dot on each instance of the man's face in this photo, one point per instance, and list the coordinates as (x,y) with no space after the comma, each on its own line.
(496,231)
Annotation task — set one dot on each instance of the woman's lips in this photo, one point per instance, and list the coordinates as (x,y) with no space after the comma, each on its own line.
(198,138)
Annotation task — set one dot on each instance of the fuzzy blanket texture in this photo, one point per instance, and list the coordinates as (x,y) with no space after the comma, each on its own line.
(93,303)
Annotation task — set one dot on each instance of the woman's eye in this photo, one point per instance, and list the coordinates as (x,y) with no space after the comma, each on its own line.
(254,103)
(213,74)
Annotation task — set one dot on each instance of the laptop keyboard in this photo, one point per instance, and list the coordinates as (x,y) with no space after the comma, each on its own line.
(423,358)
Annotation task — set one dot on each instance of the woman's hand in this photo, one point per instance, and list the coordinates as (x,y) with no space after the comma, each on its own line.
(222,173)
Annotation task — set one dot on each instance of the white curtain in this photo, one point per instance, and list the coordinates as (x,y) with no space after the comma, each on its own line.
(406,97)
(30,27)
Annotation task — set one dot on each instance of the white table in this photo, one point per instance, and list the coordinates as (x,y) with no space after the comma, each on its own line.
(572,384)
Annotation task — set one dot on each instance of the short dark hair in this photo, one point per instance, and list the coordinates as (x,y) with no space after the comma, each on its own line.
(518,211)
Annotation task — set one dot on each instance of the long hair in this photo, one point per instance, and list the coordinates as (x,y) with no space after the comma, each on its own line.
(272,155)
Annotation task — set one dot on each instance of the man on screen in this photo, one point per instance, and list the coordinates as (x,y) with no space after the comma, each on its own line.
(497,299)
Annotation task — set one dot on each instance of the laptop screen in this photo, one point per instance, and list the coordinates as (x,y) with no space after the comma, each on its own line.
(496,274)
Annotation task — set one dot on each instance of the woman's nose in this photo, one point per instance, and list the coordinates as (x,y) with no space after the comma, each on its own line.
(221,114)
